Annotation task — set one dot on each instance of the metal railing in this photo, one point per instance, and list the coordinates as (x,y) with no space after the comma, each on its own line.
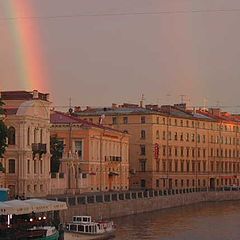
(101,197)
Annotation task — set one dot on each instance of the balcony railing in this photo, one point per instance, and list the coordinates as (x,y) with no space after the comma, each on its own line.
(39,148)
(113,158)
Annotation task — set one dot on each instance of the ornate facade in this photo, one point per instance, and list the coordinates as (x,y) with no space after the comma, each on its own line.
(27,157)
(95,158)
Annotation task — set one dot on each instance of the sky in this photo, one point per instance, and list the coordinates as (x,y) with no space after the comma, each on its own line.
(100,52)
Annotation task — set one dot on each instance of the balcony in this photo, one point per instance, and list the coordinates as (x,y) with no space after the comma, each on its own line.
(113,158)
(39,148)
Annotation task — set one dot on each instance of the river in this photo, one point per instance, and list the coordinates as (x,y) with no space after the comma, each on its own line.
(203,221)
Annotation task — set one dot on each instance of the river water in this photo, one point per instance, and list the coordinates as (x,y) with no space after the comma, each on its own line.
(203,221)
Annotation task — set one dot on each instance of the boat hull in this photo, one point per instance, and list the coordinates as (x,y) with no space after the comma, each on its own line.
(52,237)
(80,236)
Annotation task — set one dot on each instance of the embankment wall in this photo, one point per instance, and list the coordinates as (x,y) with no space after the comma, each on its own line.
(124,207)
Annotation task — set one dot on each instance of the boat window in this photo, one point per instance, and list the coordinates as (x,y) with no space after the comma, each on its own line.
(85,219)
(86,228)
(67,227)
(95,228)
(80,228)
(99,226)
(79,219)
(73,227)
(74,219)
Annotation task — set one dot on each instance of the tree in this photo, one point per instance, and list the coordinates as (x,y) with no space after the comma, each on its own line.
(3,131)
(56,150)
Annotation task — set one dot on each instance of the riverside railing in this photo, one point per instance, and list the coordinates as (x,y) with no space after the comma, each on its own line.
(105,197)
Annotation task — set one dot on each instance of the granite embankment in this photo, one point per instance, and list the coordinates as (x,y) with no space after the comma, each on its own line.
(113,205)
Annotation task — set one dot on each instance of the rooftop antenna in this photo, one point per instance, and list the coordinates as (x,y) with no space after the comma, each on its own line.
(183,98)
(141,101)
(168,97)
(70,110)
(205,104)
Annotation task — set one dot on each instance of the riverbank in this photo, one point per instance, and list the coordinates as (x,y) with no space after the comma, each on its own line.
(118,205)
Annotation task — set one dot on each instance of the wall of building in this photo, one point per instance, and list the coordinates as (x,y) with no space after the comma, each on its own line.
(103,163)
(193,152)
(27,170)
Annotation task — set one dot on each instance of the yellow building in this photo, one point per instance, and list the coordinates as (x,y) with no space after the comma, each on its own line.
(174,148)
(27,157)
(95,157)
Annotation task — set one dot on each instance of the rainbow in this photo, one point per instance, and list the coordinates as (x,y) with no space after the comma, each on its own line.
(28,54)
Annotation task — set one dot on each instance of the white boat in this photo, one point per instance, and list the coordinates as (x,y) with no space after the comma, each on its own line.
(83,228)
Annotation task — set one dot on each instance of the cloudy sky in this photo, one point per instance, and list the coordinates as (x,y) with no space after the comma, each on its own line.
(104,51)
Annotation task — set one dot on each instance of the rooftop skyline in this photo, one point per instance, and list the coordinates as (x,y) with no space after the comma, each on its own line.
(159,48)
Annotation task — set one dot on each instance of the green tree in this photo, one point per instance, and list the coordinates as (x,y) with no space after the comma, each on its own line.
(56,149)
(3,131)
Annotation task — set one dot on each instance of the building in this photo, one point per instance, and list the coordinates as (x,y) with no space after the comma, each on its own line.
(27,157)
(172,147)
(95,157)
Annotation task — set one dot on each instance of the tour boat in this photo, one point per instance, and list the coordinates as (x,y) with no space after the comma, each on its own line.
(83,228)
(28,219)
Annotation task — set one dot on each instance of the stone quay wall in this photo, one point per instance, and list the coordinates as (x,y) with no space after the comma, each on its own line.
(114,205)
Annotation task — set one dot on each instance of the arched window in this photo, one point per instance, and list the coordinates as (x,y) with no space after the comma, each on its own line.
(157,134)
(11,166)
(28,136)
(41,136)
(35,135)
(11,136)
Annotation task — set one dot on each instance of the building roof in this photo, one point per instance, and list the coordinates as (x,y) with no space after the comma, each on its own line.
(23,95)
(64,118)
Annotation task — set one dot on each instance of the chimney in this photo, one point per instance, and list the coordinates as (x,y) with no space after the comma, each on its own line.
(35,94)
(114,105)
(215,111)
(181,106)
(77,109)
(47,96)
(152,107)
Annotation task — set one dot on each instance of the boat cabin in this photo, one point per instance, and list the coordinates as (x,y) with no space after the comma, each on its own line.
(85,225)
(82,219)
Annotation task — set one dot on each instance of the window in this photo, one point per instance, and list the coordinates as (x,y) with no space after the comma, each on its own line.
(143,119)
(182,166)
(11,166)
(79,148)
(41,136)
(164,135)
(176,166)
(157,183)
(176,182)
(143,134)
(11,136)
(157,135)
(28,166)
(125,120)
(114,120)
(35,135)
(143,165)
(41,166)
(175,136)
(28,136)
(142,150)
(35,166)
